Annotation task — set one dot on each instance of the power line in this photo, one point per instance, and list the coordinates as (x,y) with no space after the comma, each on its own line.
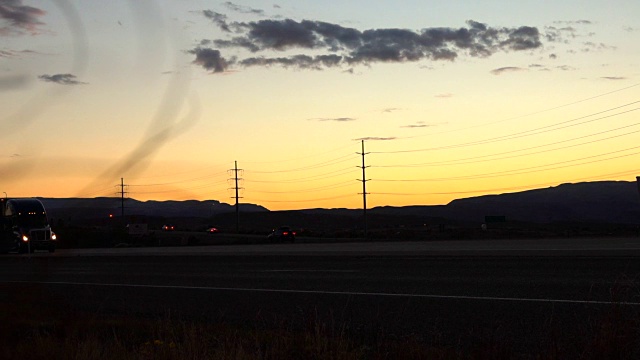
(519,134)
(304,200)
(323,164)
(527,115)
(531,186)
(523,170)
(465,161)
(327,187)
(299,158)
(308,178)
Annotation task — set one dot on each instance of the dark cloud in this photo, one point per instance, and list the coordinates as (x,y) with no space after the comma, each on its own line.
(210,59)
(506,69)
(62,79)
(614,78)
(553,56)
(20,17)
(237,42)
(243,9)
(523,38)
(298,61)
(344,46)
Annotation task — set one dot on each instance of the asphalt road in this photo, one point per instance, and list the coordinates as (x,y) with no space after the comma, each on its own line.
(515,291)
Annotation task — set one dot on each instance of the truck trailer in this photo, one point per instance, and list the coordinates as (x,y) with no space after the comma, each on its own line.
(25,226)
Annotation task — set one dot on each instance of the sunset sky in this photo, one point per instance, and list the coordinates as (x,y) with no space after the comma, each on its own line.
(453,99)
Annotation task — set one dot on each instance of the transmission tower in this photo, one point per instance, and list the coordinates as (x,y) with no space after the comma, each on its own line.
(237,188)
(122,192)
(364,189)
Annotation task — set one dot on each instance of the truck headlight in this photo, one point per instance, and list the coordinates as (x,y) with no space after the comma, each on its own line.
(53,236)
(25,238)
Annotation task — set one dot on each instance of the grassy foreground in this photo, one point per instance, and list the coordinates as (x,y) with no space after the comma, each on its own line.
(87,336)
(33,328)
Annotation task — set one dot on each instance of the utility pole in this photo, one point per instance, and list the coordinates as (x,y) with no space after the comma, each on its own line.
(122,192)
(364,190)
(235,171)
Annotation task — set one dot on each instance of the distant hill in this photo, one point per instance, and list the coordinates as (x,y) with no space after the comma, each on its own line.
(616,202)
(91,208)
(608,202)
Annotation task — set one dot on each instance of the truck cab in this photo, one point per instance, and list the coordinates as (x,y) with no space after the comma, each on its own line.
(25,227)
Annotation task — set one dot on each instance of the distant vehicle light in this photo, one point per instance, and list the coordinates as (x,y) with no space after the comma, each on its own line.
(25,238)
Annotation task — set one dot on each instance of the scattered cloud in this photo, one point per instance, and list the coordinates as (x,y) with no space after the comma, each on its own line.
(375,138)
(335,45)
(243,9)
(389,110)
(565,68)
(17,54)
(209,59)
(567,30)
(340,119)
(20,18)
(419,124)
(62,79)
(574,22)
(628,29)
(589,46)
(444,95)
(614,78)
(553,56)
(507,69)
(219,19)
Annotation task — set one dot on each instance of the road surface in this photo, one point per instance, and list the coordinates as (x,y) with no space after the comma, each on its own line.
(518,291)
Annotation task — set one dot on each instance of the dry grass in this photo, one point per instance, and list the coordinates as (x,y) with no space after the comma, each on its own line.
(33,332)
